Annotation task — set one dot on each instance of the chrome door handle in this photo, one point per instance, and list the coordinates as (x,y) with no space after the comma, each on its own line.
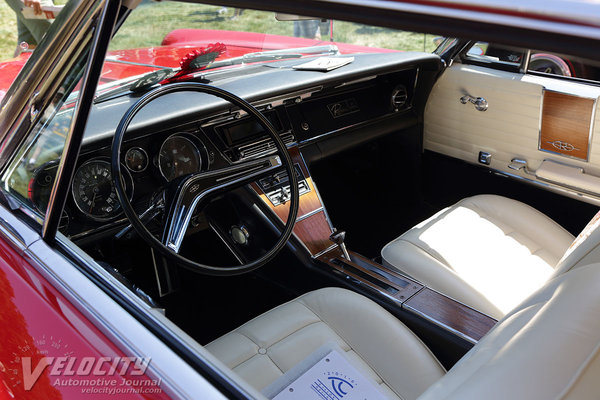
(480,103)
(519,164)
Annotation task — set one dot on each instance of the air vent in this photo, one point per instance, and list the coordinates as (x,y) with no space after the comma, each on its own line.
(263,147)
(399,98)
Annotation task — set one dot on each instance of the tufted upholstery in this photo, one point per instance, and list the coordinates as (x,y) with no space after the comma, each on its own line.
(375,342)
(486,251)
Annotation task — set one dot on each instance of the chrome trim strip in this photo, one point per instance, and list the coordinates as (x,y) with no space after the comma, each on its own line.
(309,214)
(319,254)
(359,80)
(15,231)
(104,227)
(563,190)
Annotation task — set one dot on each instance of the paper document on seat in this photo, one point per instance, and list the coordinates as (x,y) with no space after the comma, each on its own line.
(331,378)
(324,63)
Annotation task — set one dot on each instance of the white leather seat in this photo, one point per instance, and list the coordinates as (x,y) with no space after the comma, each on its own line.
(546,348)
(488,252)
(374,341)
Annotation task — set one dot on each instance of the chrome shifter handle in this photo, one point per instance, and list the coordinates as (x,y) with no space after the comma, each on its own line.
(338,238)
(480,103)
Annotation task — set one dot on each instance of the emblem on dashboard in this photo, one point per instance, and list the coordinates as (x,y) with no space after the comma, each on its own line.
(563,146)
(343,107)
(194,188)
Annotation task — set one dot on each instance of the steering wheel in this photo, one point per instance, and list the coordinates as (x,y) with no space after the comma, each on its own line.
(191,191)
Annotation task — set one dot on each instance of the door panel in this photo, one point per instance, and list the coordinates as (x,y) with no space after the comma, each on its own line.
(510,127)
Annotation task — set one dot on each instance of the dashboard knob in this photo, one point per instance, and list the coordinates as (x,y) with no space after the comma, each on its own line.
(239,234)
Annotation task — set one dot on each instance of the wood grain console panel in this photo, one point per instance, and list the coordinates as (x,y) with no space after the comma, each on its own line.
(566,123)
(312,226)
(446,312)
(413,297)
(314,232)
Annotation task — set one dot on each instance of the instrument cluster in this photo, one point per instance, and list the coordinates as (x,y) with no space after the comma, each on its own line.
(93,194)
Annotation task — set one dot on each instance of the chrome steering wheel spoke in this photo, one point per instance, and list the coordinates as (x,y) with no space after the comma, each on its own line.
(191,191)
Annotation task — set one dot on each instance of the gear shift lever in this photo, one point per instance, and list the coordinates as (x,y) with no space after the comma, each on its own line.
(338,238)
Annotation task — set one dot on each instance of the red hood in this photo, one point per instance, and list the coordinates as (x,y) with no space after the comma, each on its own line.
(177,44)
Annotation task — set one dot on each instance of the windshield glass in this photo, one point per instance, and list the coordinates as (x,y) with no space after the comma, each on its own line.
(165,35)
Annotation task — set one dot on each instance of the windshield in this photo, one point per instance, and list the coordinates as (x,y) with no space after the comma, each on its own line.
(168,35)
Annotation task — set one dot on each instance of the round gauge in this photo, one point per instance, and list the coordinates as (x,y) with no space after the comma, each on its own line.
(178,156)
(63,224)
(93,191)
(40,185)
(136,159)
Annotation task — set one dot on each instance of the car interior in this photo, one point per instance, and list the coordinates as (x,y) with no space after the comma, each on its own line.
(439,197)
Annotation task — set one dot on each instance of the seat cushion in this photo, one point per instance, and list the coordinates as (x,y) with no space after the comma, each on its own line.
(488,252)
(376,343)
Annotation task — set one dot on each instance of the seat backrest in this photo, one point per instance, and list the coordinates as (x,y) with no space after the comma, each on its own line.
(583,244)
(546,348)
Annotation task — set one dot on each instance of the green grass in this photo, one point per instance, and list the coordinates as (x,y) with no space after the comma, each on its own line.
(143,31)
(8,31)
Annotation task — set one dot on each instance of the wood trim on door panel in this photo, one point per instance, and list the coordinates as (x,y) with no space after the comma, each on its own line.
(566,124)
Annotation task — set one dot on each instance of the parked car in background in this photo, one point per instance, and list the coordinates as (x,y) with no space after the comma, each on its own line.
(195,203)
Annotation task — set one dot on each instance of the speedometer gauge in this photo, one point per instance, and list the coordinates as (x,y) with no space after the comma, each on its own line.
(93,191)
(179,156)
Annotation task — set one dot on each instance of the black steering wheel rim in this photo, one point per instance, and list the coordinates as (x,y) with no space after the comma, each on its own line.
(133,217)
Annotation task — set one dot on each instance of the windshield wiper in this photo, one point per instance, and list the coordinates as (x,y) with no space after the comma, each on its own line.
(272,55)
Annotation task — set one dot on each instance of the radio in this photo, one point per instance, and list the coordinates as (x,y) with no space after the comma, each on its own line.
(277,189)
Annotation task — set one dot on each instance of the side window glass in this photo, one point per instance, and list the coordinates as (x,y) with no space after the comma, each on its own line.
(30,175)
(563,65)
(492,54)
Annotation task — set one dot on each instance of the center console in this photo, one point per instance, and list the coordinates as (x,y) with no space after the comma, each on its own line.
(318,237)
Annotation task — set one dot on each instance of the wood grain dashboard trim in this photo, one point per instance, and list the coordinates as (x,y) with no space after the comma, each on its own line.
(312,225)
(566,124)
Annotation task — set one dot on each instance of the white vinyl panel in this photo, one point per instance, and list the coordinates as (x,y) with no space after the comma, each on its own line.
(510,126)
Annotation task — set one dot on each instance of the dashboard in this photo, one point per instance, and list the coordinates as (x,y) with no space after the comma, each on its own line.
(181,135)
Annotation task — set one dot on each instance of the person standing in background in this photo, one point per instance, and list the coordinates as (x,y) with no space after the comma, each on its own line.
(312,28)
(29,31)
